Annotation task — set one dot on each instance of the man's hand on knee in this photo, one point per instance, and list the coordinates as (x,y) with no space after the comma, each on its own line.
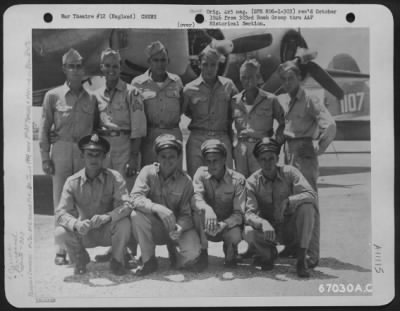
(99,220)
(166,216)
(268,231)
(83,226)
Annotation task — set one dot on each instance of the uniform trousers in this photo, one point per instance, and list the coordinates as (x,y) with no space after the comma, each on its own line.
(300,230)
(150,231)
(112,234)
(245,162)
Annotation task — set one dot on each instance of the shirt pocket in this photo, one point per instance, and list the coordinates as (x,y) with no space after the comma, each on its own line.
(200,104)
(63,112)
(148,94)
(265,112)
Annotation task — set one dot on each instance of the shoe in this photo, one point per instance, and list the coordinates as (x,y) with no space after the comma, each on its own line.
(311,264)
(116,267)
(148,267)
(230,263)
(61,259)
(201,263)
(265,264)
(131,262)
(104,257)
(302,268)
(82,259)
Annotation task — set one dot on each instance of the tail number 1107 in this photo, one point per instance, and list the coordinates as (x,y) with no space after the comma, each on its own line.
(352,102)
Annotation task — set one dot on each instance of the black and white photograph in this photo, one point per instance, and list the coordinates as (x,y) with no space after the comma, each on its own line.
(181,163)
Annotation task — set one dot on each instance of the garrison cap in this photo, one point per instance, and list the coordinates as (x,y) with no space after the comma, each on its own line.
(72,56)
(250,63)
(110,52)
(287,66)
(212,54)
(154,48)
(213,145)
(266,144)
(165,141)
(94,142)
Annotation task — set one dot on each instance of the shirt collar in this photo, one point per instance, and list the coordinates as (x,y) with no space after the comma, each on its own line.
(100,177)
(278,176)
(65,89)
(227,178)
(200,80)
(147,75)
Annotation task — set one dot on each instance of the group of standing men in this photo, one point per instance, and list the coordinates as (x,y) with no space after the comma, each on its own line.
(94,143)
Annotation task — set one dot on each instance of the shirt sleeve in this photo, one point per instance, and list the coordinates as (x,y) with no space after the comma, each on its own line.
(186,103)
(46,122)
(279,116)
(199,191)
(66,210)
(140,192)
(137,115)
(121,204)
(184,218)
(326,123)
(302,191)
(251,212)
(239,204)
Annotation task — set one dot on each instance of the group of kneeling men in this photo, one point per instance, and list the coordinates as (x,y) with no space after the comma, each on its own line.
(137,126)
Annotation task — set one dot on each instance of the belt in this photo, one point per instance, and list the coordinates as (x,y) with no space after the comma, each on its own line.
(163,127)
(249,139)
(289,138)
(209,133)
(113,133)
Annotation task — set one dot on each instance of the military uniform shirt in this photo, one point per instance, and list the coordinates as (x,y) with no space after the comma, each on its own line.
(72,116)
(264,196)
(307,118)
(122,109)
(83,198)
(259,121)
(209,108)
(162,104)
(174,193)
(226,197)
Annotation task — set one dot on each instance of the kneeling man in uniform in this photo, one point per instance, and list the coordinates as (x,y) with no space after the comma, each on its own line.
(219,201)
(281,208)
(162,213)
(94,209)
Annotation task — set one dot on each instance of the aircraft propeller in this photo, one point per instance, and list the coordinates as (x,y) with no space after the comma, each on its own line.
(304,59)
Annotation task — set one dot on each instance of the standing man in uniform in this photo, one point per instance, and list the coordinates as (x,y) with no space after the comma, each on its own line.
(122,118)
(94,209)
(281,207)
(122,124)
(207,101)
(162,212)
(70,112)
(219,201)
(309,127)
(161,92)
(254,112)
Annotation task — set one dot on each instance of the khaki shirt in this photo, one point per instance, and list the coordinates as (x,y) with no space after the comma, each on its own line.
(209,108)
(122,109)
(83,198)
(265,196)
(162,105)
(174,193)
(70,116)
(259,121)
(226,197)
(305,117)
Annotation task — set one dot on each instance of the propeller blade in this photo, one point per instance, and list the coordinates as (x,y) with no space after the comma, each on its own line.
(324,79)
(251,43)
